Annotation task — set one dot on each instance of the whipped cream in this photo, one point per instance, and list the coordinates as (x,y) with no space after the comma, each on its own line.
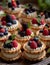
(1,13)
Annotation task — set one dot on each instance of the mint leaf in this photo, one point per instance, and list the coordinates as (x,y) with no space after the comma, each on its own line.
(38,20)
(13,37)
(48,51)
(9,41)
(28,24)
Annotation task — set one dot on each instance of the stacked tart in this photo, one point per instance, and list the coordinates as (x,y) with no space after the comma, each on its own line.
(37,24)
(14,7)
(29,13)
(4,34)
(34,50)
(10,22)
(44,35)
(11,50)
(24,34)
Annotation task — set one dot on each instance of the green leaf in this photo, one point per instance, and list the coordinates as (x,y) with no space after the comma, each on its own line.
(29,24)
(8,41)
(13,37)
(38,20)
(26,6)
(3,14)
(48,51)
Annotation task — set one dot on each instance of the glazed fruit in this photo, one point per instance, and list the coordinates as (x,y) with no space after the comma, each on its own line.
(33,45)
(45,32)
(28,32)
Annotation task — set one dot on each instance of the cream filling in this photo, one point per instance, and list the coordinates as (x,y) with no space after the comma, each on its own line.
(48,20)
(37,49)
(25,37)
(1,13)
(13,55)
(13,26)
(44,37)
(5,36)
(34,55)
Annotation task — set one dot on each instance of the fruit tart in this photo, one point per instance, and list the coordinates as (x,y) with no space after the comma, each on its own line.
(14,7)
(24,34)
(44,35)
(11,50)
(29,13)
(10,22)
(47,17)
(37,24)
(34,50)
(4,34)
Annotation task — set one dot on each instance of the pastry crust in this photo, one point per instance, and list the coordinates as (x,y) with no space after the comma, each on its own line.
(34,59)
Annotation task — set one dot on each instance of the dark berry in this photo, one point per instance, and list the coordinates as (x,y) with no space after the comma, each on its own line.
(39,44)
(12,8)
(39,24)
(9,5)
(14,22)
(41,31)
(9,24)
(10,37)
(6,33)
(1,34)
(17,2)
(30,5)
(1,26)
(33,10)
(36,39)
(47,25)
(29,43)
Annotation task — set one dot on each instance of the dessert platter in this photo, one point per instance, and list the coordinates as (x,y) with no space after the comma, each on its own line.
(24,34)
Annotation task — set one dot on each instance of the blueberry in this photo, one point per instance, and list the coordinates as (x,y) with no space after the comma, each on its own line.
(17,2)
(36,39)
(1,34)
(6,29)
(6,33)
(25,26)
(22,33)
(39,45)
(10,37)
(12,8)
(1,26)
(47,25)
(41,31)
(9,5)
(29,43)
(8,18)
(8,45)
(27,12)
(33,9)
(39,24)
(9,24)
(14,22)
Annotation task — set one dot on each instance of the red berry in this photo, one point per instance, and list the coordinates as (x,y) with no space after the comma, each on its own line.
(33,45)
(14,43)
(45,32)
(13,17)
(3,19)
(2,30)
(14,4)
(3,22)
(34,21)
(42,22)
(28,32)
(1,8)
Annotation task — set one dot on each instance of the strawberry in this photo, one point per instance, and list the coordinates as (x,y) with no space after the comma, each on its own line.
(13,17)
(28,32)
(2,30)
(3,22)
(14,4)
(34,21)
(45,32)
(42,21)
(33,45)
(3,18)
(14,43)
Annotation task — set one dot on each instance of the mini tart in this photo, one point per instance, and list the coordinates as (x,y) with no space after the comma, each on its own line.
(45,39)
(23,40)
(28,17)
(11,54)
(34,54)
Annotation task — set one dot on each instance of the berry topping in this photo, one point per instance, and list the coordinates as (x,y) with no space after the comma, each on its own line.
(39,44)
(1,34)
(42,22)
(36,39)
(14,22)
(3,18)
(33,45)
(34,21)
(9,24)
(14,43)
(9,5)
(1,27)
(28,32)
(41,31)
(6,33)
(14,4)
(3,22)
(2,30)
(45,32)
(13,17)
(17,2)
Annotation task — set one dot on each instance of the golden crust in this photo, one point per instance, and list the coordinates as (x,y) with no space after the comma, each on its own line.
(11,51)
(34,59)
(10,59)
(34,51)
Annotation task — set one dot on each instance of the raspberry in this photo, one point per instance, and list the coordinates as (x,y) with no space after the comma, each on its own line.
(28,32)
